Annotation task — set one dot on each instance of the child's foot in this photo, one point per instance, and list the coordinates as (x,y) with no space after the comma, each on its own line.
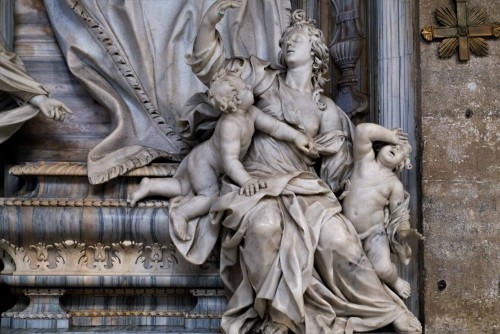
(407,323)
(402,288)
(408,234)
(141,192)
(180,225)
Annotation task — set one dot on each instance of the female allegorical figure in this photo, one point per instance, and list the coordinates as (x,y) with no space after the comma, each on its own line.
(290,260)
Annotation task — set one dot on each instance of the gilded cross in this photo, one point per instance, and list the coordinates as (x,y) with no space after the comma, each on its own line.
(463,29)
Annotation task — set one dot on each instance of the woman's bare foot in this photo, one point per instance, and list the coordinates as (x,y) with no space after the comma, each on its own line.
(141,192)
(180,224)
(407,323)
(275,328)
(402,288)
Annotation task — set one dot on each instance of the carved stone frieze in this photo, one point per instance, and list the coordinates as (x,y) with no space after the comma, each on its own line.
(70,257)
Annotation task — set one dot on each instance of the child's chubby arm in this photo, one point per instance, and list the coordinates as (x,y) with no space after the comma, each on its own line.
(230,146)
(396,198)
(367,133)
(282,131)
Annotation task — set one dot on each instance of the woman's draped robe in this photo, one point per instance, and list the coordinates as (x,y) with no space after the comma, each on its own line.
(315,271)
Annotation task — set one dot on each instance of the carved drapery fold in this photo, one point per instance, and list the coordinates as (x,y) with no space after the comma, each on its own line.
(140,76)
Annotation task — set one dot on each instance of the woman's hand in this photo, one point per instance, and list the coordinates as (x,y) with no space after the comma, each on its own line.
(306,145)
(50,107)
(216,12)
(252,186)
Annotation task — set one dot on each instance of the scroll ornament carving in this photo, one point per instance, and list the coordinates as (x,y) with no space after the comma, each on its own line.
(72,257)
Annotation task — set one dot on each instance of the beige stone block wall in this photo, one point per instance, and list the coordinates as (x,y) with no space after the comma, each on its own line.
(460,122)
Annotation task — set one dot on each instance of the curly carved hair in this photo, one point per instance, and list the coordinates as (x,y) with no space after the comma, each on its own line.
(318,48)
(405,162)
(224,99)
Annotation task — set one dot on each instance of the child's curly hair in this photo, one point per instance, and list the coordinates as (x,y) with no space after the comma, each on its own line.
(405,163)
(224,99)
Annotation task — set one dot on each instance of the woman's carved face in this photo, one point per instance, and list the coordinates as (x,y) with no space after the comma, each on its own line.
(297,48)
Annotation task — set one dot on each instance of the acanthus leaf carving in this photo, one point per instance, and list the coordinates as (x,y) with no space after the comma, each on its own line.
(155,258)
(39,256)
(70,253)
(128,255)
(18,254)
(70,257)
(98,257)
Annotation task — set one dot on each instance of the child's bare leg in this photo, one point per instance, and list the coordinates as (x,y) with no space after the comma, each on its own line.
(205,183)
(168,187)
(196,207)
(378,251)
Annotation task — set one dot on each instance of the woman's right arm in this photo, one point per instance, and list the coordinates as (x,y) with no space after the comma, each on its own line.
(207,56)
(206,33)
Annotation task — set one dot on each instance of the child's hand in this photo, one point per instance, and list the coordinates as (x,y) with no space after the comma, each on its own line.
(216,12)
(252,187)
(306,145)
(399,136)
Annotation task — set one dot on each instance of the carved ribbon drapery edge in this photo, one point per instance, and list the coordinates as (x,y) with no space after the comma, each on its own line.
(80,169)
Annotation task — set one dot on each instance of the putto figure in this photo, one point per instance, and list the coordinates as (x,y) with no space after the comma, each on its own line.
(16,82)
(221,154)
(374,187)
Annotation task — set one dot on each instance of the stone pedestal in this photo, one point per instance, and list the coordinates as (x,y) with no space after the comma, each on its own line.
(115,265)
(43,310)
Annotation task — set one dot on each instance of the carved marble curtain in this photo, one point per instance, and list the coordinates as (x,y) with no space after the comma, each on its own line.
(129,54)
